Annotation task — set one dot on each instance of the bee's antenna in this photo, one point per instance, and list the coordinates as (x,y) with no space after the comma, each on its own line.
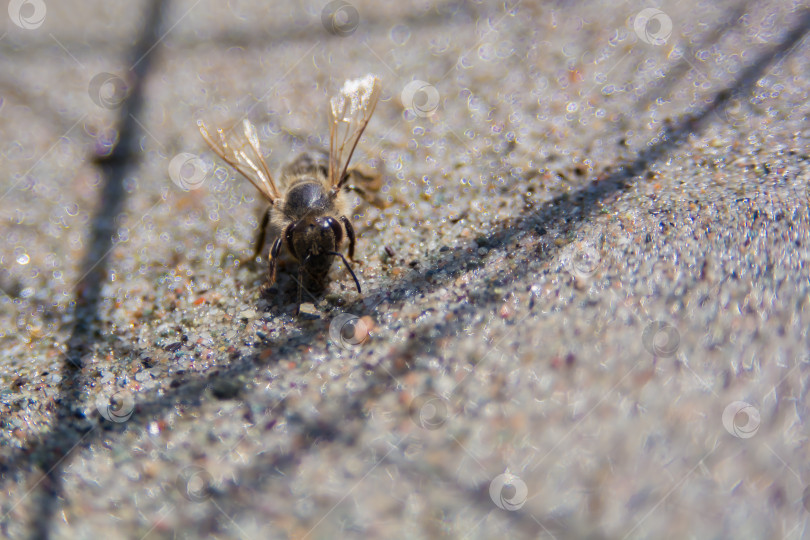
(300,283)
(300,286)
(349,268)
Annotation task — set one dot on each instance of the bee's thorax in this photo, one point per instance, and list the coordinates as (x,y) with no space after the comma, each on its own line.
(307,198)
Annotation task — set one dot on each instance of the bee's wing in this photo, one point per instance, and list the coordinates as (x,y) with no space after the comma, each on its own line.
(243,154)
(349,113)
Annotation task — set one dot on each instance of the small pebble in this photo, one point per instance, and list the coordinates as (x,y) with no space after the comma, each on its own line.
(173,347)
(148,362)
(225,388)
(308,308)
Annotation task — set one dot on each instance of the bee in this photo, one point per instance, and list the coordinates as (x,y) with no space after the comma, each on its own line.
(308,207)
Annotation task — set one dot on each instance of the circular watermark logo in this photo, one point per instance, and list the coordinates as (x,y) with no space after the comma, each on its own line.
(661,339)
(117,407)
(195,483)
(429,411)
(107,90)
(348,331)
(732,111)
(584,260)
(741,419)
(35,326)
(420,97)
(653,26)
(27,14)
(340,18)
(508,492)
(188,171)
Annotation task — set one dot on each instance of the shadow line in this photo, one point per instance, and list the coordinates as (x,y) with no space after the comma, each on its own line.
(71,427)
(441,16)
(563,212)
(570,208)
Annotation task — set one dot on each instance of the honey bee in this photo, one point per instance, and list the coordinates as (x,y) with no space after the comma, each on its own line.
(308,215)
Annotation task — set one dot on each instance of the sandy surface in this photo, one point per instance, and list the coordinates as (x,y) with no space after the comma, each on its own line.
(584,313)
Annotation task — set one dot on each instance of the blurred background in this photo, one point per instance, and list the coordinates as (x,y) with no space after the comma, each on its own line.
(584,311)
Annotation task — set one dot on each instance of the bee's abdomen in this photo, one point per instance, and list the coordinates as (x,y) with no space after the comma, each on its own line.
(308,164)
(306,198)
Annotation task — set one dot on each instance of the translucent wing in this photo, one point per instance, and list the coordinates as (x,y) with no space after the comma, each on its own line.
(349,113)
(243,154)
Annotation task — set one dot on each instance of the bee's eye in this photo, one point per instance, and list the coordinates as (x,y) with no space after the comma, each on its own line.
(288,234)
(336,229)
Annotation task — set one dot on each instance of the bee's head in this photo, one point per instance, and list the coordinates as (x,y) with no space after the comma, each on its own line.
(313,238)
(314,242)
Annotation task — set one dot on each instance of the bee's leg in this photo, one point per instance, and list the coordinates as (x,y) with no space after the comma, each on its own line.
(350,234)
(360,191)
(260,237)
(367,183)
(258,244)
(271,267)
